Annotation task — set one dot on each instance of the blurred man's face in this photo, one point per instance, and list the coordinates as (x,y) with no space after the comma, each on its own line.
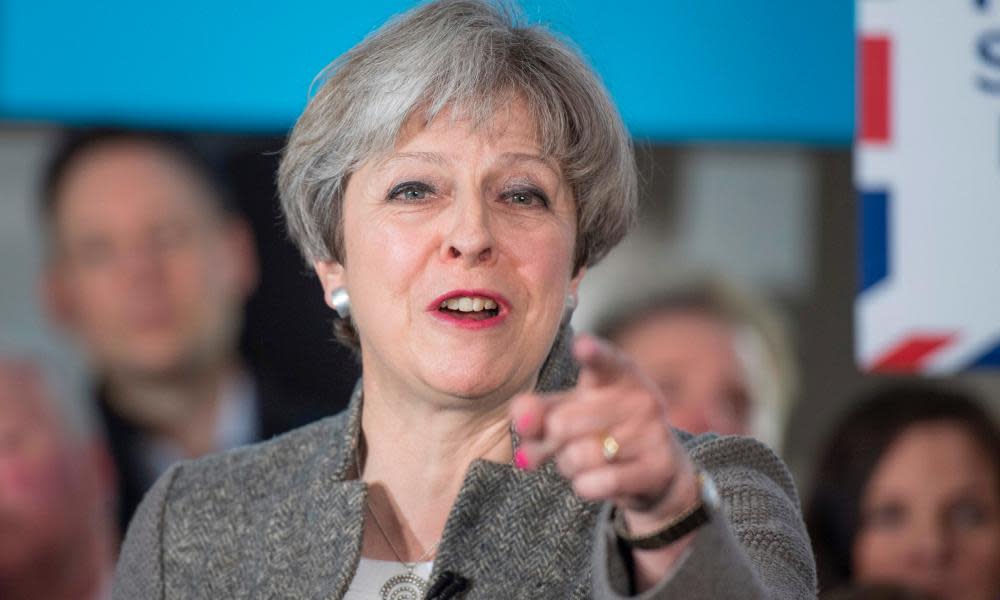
(692,358)
(148,274)
(43,498)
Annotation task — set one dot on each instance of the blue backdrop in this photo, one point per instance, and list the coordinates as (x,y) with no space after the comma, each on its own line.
(679,69)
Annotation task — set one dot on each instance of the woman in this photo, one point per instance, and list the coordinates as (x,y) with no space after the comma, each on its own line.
(450,183)
(908,493)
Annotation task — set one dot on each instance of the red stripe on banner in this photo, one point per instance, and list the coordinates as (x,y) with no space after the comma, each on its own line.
(873,86)
(911,354)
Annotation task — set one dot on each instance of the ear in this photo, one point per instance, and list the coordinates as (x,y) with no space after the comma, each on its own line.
(56,298)
(574,283)
(331,276)
(243,254)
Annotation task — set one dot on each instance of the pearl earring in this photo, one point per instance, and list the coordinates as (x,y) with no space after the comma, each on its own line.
(341,302)
(568,307)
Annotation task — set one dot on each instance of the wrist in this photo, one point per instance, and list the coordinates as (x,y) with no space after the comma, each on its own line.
(676,528)
(683,493)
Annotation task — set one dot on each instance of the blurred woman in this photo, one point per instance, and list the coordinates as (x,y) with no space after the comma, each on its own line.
(908,492)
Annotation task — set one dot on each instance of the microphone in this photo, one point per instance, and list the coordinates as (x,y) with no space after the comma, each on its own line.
(448,585)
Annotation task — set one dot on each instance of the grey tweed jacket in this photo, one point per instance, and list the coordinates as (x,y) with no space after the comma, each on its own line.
(281,519)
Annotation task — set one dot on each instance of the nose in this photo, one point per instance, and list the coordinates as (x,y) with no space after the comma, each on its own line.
(929,550)
(141,262)
(468,238)
(686,412)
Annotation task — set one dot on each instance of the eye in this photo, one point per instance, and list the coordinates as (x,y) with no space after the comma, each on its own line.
(167,236)
(410,191)
(526,197)
(967,514)
(886,516)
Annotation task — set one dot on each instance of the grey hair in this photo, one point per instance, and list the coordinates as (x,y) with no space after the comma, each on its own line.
(471,56)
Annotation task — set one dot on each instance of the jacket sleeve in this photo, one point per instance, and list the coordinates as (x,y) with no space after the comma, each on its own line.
(139,573)
(754,547)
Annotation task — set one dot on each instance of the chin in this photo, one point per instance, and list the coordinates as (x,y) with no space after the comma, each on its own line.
(154,360)
(469,381)
(464,387)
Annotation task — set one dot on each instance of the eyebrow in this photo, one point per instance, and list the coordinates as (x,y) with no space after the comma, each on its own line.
(510,158)
(431,157)
(505,159)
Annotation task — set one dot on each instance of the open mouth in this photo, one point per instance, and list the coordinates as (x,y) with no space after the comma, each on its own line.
(470,308)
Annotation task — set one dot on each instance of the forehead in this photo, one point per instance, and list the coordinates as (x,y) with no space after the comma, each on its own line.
(942,451)
(680,330)
(129,181)
(510,126)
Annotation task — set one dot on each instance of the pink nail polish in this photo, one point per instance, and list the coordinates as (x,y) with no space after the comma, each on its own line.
(519,460)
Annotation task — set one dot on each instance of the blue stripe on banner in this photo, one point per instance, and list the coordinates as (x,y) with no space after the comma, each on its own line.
(990,358)
(873,241)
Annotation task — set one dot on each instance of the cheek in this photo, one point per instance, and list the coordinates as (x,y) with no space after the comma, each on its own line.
(875,554)
(982,546)
(543,255)
(195,279)
(386,259)
(96,298)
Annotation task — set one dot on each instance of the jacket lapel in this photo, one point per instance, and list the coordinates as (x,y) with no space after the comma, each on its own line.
(506,525)
(509,525)
(312,539)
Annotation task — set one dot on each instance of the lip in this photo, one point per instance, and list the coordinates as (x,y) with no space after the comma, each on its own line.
(502,303)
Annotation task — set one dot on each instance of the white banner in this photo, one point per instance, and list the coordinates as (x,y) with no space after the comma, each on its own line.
(927,172)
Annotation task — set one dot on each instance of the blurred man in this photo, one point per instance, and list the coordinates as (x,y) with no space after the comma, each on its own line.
(719,359)
(57,532)
(149,269)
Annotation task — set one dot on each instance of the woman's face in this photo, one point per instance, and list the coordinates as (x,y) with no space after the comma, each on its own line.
(931,516)
(458,258)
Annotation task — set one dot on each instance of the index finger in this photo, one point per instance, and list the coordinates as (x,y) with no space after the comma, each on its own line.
(527,411)
(600,362)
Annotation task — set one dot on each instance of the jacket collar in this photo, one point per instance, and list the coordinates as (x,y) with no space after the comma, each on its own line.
(497,503)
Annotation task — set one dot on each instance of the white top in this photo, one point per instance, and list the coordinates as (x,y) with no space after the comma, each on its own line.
(372,575)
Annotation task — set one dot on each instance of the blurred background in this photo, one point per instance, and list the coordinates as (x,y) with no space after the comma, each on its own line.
(743,115)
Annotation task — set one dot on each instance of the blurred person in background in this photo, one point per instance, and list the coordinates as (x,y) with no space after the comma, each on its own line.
(908,492)
(877,592)
(148,269)
(57,529)
(718,354)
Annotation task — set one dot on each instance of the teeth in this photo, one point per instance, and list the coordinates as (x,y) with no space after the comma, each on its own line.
(469,304)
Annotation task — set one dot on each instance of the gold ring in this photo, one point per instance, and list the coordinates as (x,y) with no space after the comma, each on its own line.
(609,448)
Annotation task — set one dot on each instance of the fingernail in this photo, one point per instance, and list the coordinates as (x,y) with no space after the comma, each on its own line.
(519,460)
(524,422)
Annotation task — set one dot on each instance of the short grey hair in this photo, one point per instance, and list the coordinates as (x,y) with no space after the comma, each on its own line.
(472,56)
